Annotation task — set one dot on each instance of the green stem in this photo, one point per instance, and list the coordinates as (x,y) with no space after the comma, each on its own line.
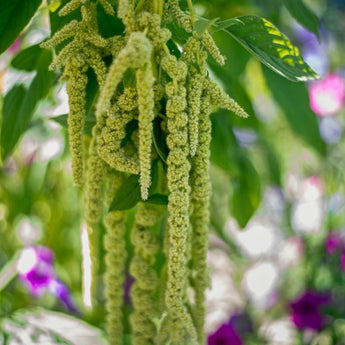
(140,6)
(190,7)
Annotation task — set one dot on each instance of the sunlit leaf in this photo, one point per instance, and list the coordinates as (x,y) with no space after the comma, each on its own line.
(303,14)
(14,16)
(263,40)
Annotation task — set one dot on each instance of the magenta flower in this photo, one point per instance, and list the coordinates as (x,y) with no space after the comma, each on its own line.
(327,96)
(306,310)
(333,242)
(225,335)
(35,267)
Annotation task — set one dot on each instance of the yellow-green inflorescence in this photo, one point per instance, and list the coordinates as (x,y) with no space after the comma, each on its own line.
(144,292)
(154,103)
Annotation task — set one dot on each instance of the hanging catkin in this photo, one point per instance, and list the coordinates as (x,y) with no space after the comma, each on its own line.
(144,290)
(115,259)
(181,328)
(200,218)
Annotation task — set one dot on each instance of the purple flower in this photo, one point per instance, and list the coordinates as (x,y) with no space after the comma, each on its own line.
(36,272)
(225,335)
(61,292)
(333,242)
(306,310)
(241,323)
(35,268)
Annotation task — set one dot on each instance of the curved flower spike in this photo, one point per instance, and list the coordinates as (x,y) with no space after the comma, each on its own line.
(146,106)
(135,54)
(222,100)
(108,9)
(69,30)
(182,18)
(212,48)
(71,6)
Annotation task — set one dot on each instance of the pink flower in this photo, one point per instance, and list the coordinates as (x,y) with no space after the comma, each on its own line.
(327,96)
(15,46)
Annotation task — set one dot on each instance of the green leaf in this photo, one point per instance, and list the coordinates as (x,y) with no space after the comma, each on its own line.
(246,194)
(26,59)
(203,24)
(226,153)
(108,25)
(294,101)
(178,35)
(272,163)
(303,14)
(14,16)
(158,199)
(224,145)
(90,121)
(236,57)
(263,40)
(20,104)
(128,194)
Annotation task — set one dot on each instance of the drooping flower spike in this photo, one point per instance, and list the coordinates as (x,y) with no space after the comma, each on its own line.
(168,94)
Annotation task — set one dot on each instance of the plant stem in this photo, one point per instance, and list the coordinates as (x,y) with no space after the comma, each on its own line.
(190,7)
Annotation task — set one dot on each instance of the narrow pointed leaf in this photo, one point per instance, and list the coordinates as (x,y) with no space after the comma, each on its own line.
(14,16)
(20,104)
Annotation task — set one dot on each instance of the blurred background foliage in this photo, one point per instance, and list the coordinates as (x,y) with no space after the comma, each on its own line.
(277,251)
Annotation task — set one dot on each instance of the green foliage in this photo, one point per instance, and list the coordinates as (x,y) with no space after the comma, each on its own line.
(19,103)
(304,15)
(245,181)
(262,39)
(128,195)
(294,101)
(14,16)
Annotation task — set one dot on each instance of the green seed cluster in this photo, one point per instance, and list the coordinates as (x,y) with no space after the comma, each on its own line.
(148,94)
